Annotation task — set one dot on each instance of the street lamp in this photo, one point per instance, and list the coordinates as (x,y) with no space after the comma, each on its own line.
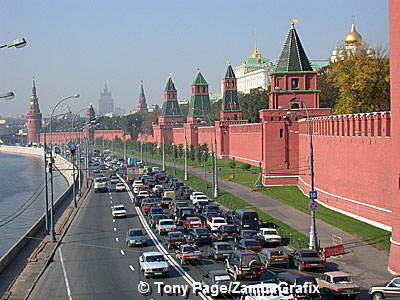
(17,43)
(7,96)
(52,233)
(313,244)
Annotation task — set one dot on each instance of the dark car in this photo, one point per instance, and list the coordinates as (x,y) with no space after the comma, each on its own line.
(307,259)
(248,244)
(166,202)
(200,236)
(226,232)
(200,205)
(208,216)
(248,234)
(274,257)
(174,239)
(246,219)
(295,278)
(137,200)
(182,213)
(220,250)
(153,220)
(213,208)
(243,265)
(156,210)
(217,278)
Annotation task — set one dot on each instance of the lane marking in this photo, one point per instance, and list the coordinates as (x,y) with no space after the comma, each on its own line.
(116,239)
(113,221)
(65,275)
(110,197)
(132,268)
(109,194)
(115,229)
(122,252)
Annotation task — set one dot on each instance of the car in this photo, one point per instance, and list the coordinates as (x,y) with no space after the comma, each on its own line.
(153,220)
(192,222)
(307,259)
(220,250)
(118,211)
(199,198)
(165,225)
(270,236)
(390,289)
(155,210)
(248,234)
(114,179)
(174,239)
(217,278)
(274,257)
(213,208)
(296,278)
(165,202)
(200,205)
(143,194)
(243,265)
(137,200)
(246,219)
(100,184)
(199,236)
(194,194)
(188,253)
(215,223)
(147,206)
(182,213)
(136,236)
(248,244)
(153,264)
(206,217)
(120,187)
(226,232)
(338,284)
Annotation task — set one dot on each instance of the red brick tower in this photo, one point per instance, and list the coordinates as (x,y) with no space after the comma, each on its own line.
(394,17)
(34,118)
(142,106)
(293,73)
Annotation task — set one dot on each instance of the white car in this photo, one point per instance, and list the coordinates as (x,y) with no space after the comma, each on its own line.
(199,198)
(137,183)
(120,187)
(215,223)
(165,225)
(194,194)
(118,211)
(270,235)
(144,194)
(153,264)
(100,184)
(157,187)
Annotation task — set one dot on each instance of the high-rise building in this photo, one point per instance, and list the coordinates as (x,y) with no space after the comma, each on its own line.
(106,102)
(34,118)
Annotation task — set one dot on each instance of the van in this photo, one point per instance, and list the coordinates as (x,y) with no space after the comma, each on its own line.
(246,219)
(169,194)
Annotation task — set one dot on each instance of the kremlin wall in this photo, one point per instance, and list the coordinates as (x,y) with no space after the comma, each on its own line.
(356,161)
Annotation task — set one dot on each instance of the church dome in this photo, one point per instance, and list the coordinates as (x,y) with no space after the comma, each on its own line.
(353,37)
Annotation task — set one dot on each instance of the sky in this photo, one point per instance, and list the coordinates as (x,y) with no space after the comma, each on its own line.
(75,46)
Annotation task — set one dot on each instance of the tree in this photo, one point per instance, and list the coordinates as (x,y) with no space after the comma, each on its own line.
(192,153)
(329,93)
(363,81)
(252,103)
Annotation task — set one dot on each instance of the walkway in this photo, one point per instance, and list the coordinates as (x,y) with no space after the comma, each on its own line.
(364,262)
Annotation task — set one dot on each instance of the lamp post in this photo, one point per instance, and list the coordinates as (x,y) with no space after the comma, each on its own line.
(163,154)
(7,96)
(17,43)
(313,243)
(52,233)
(185,177)
(174,157)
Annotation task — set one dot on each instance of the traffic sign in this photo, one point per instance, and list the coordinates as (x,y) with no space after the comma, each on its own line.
(313,195)
(313,206)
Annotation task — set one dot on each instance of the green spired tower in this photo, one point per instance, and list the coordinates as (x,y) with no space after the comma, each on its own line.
(199,105)
(171,111)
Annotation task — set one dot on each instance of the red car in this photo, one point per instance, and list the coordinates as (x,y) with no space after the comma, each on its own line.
(192,222)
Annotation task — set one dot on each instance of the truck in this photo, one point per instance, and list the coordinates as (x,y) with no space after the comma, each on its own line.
(132,174)
(132,162)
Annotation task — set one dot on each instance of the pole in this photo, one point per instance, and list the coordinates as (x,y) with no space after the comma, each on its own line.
(205,171)
(163,154)
(215,164)
(313,229)
(52,233)
(79,168)
(45,180)
(141,152)
(124,147)
(186,167)
(87,163)
(174,154)
(73,175)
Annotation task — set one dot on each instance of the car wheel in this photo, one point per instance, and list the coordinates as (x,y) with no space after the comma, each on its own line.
(377,296)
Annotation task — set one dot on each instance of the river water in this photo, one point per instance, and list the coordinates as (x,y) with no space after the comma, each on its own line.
(21,182)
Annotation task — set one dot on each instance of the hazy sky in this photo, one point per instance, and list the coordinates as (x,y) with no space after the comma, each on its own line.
(75,45)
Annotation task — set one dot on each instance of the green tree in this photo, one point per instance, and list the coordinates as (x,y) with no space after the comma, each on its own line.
(363,81)
(252,103)
(192,153)
(329,92)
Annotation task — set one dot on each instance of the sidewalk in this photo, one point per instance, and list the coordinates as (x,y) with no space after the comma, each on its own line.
(365,263)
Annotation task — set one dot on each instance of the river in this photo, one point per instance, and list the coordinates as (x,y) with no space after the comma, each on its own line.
(22,177)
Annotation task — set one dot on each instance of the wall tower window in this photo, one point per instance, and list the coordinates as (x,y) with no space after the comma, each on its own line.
(295,83)
(281,133)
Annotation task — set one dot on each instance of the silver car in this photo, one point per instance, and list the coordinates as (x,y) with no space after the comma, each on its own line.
(136,236)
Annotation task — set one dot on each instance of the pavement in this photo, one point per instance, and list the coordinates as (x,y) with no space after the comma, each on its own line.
(365,263)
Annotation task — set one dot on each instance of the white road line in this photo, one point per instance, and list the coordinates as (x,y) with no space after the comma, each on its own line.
(109,194)
(132,268)
(113,221)
(115,229)
(122,252)
(110,197)
(116,239)
(65,275)
(111,202)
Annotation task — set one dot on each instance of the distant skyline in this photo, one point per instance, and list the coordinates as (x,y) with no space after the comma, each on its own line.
(74,46)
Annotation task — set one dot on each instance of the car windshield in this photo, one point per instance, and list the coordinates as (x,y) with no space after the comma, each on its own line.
(270,231)
(120,184)
(342,279)
(212,207)
(201,203)
(248,234)
(219,221)
(101,179)
(135,233)
(309,254)
(202,231)
(228,229)
(251,244)
(187,212)
(154,258)
(188,249)
(222,277)
(167,222)
(224,247)
(246,259)
(119,208)
(277,253)
(176,235)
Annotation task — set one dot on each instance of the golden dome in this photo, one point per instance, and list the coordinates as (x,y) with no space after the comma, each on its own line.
(255,53)
(353,37)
